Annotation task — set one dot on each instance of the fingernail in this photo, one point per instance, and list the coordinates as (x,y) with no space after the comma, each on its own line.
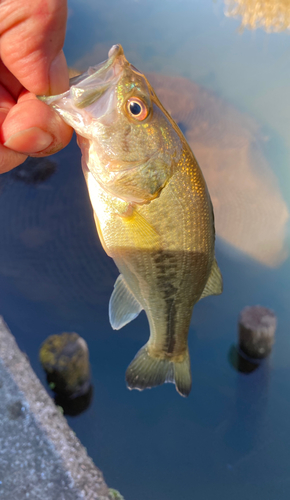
(31,140)
(58,75)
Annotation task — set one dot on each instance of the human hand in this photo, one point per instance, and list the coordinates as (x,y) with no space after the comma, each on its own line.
(31,63)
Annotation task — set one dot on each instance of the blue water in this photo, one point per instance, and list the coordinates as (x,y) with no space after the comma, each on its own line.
(231,438)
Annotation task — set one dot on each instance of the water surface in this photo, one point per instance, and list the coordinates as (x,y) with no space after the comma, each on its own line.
(231,437)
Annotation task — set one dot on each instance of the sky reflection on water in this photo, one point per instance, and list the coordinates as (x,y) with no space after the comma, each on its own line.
(230,438)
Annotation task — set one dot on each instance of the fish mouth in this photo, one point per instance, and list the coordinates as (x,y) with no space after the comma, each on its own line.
(88,87)
(92,84)
(115,51)
(91,95)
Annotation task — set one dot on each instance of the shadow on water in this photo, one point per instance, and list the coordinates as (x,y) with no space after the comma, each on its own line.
(35,170)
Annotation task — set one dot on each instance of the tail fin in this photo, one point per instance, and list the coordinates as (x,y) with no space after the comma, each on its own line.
(145,371)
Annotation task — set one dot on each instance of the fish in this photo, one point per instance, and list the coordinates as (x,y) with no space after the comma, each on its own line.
(152,211)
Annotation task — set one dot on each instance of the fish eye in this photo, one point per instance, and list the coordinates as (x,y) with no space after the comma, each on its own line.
(137,108)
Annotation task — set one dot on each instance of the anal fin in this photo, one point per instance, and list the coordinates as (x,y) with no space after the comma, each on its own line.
(123,306)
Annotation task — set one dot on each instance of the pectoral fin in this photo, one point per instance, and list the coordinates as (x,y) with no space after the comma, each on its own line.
(142,234)
(214,285)
(123,306)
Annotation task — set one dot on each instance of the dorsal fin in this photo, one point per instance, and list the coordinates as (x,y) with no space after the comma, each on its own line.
(214,284)
(123,306)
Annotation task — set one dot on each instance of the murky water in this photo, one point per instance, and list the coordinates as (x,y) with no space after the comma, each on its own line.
(230,94)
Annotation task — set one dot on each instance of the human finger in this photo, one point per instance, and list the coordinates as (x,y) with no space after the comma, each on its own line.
(31,127)
(8,81)
(8,159)
(32,36)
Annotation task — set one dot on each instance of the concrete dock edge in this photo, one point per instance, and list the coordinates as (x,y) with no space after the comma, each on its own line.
(40,456)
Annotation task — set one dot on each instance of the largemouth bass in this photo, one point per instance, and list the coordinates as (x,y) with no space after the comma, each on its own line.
(152,210)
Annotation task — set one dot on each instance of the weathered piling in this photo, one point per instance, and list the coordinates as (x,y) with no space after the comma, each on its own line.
(65,359)
(257,326)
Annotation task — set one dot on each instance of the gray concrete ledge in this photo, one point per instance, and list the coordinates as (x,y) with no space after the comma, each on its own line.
(40,456)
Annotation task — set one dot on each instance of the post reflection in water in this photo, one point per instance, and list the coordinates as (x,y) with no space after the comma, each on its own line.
(246,422)
(240,362)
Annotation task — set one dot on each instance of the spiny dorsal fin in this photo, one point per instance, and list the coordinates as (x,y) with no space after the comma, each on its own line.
(214,284)
(123,306)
